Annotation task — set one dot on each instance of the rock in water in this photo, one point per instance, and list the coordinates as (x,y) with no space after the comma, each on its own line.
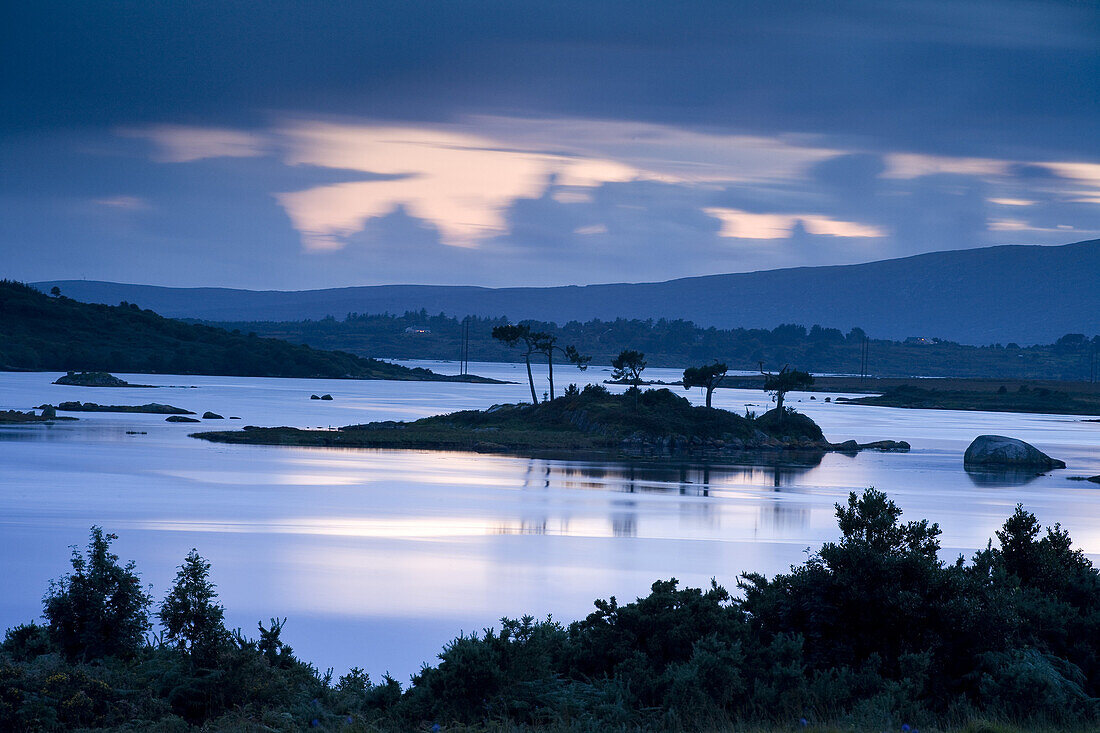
(326,397)
(180,418)
(999,451)
(314,397)
(211,416)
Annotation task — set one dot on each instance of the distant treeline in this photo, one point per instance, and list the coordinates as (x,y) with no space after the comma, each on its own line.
(677,343)
(43,333)
(872,632)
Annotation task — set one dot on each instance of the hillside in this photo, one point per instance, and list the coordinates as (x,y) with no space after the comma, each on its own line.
(676,344)
(38,332)
(1022,294)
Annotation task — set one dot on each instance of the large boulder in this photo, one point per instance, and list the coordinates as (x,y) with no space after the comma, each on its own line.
(998,451)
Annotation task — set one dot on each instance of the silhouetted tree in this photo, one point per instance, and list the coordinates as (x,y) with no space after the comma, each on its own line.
(99,609)
(547,344)
(55,291)
(193,620)
(628,366)
(708,377)
(531,343)
(786,380)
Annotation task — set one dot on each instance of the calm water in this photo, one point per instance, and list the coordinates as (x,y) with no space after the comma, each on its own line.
(379,557)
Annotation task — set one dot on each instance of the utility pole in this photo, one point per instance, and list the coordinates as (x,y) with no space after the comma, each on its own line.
(863,359)
(464,367)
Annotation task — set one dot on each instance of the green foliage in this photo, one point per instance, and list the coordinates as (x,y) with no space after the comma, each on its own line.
(708,376)
(192,618)
(784,381)
(99,609)
(674,342)
(60,334)
(628,366)
(873,632)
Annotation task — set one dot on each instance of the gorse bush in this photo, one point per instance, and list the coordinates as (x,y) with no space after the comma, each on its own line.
(872,632)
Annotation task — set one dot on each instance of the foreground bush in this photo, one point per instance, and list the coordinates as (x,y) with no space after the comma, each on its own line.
(874,632)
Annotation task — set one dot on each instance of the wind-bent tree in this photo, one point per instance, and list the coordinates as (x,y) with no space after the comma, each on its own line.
(530,342)
(786,380)
(708,376)
(548,345)
(628,366)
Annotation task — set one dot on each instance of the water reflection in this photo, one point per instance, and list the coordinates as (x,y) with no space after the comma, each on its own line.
(685,479)
(991,478)
(783,517)
(379,556)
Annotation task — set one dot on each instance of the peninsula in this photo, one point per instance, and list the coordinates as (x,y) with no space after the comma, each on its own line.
(43,333)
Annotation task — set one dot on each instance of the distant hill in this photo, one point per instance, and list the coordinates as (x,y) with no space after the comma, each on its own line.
(38,332)
(1025,294)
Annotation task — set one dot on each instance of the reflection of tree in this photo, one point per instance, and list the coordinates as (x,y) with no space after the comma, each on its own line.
(624,525)
(528,526)
(688,479)
(784,515)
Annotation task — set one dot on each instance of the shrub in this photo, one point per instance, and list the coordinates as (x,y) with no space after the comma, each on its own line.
(98,610)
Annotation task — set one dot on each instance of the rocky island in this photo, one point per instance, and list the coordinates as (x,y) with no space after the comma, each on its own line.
(95,379)
(9,417)
(651,424)
(151,408)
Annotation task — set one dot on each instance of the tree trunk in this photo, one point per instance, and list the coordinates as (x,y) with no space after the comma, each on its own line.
(550,368)
(531,378)
(779,406)
(710,391)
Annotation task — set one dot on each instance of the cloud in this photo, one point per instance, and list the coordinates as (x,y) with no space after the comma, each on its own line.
(125,203)
(460,182)
(744,225)
(183,144)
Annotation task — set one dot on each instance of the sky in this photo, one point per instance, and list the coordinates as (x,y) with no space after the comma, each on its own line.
(293,145)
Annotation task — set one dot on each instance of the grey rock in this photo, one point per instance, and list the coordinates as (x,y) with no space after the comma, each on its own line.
(180,418)
(998,450)
(211,416)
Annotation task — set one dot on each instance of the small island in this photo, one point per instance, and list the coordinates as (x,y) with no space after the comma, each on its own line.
(15,417)
(151,408)
(95,379)
(652,424)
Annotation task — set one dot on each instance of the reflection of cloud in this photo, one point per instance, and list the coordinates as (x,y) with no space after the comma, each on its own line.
(744,225)
(182,144)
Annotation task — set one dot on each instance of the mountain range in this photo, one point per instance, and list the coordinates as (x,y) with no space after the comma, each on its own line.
(1013,293)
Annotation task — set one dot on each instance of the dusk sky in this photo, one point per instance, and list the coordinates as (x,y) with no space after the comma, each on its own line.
(301,145)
